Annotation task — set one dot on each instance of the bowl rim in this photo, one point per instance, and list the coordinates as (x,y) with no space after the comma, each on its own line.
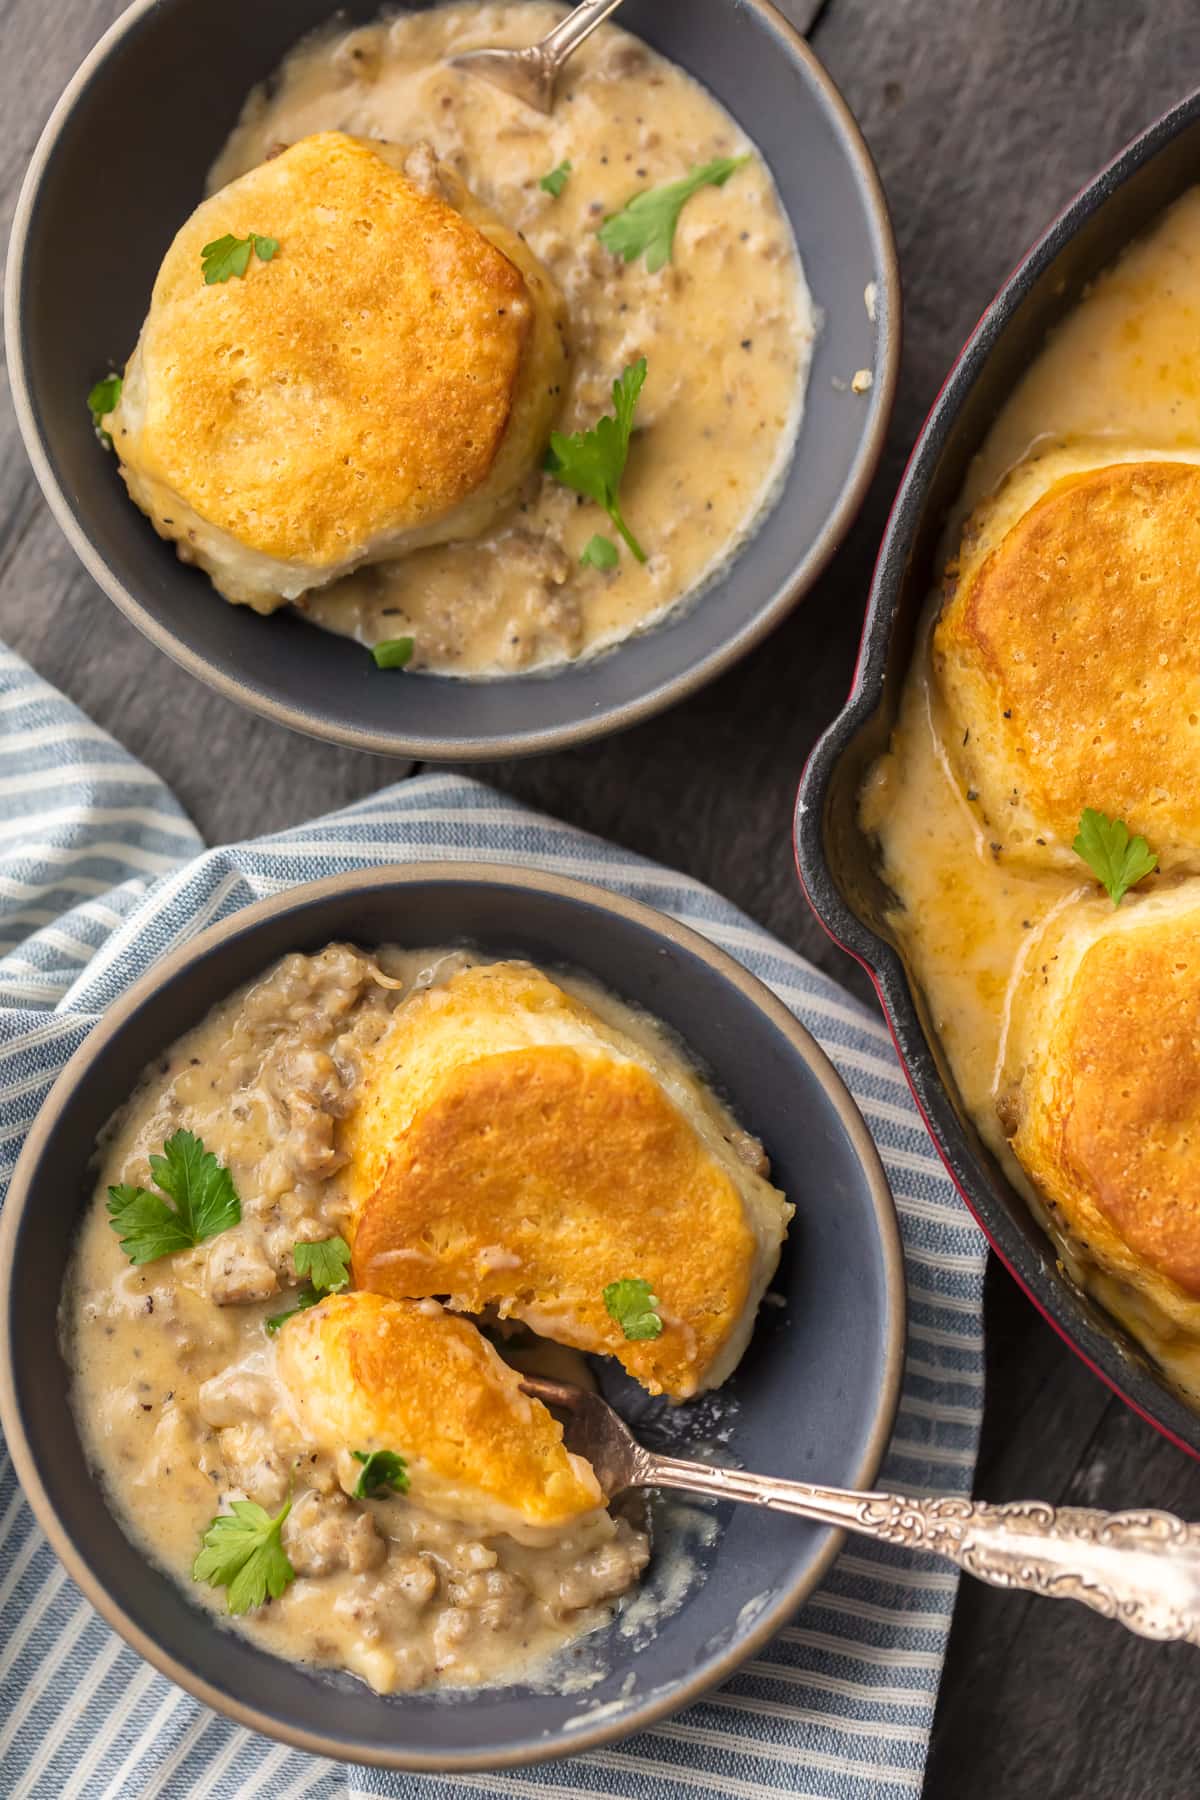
(714,1669)
(599,722)
(1097,1349)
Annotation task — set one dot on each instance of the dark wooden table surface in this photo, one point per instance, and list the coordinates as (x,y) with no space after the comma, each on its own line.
(984,117)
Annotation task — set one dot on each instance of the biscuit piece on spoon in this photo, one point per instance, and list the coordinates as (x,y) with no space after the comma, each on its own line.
(370,1374)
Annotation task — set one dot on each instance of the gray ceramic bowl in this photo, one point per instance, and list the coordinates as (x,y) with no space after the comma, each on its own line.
(159,94)
(816,1392)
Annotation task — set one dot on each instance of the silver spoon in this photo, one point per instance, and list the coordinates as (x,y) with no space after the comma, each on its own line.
(533,74)
(1142,1568)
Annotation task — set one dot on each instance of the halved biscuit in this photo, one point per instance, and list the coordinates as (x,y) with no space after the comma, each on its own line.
(386,380)
(1067,653)
(367,1373)
(516,1150)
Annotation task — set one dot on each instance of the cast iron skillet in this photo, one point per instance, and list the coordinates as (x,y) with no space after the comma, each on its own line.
(123,161)
(837,861)
(816,1392)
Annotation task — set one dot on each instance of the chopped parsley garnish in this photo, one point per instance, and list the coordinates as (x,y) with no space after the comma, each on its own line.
(304,1299)
(599,553)
(593,462)
(327,1265)
(1117,860)
(646,224)
(393,653)
(557,179)
(101,400)
(633,1305)
(243,1553)
(205,1199)
(383,1472)
(229,255)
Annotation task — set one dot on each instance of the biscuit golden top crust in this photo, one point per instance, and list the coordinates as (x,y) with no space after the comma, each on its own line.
(1070,656)
(536,1178)
(510,1155)
(359,383)
(368,1373)
(1112,1097)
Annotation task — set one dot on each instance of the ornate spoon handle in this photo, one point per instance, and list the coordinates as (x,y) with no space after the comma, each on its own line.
(1142,1568)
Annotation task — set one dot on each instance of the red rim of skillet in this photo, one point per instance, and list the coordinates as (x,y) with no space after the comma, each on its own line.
(1108,213)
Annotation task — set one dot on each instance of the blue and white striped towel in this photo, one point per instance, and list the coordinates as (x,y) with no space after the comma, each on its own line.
(101,872)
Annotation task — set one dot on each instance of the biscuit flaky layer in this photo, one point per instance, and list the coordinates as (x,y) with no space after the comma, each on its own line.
(1107,1072)
(513,1151)
(1068,654)
(356,387)
(368,1373)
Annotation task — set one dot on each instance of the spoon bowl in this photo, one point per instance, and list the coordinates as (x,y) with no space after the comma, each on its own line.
(532,75)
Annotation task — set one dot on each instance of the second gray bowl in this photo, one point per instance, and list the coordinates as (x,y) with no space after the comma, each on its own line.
(160,93)
(814,1397)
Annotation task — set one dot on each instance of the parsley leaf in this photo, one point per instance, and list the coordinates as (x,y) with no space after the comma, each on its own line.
(600,553)
(393,653)
(1117,861)
(557,179)
(243,1553)
(632,1304)
(305,1297)
(593,462)
(148,1227)
(327,1264)
(646,224)
(383,1471)
(101,400)
(205,1199)
(229,255)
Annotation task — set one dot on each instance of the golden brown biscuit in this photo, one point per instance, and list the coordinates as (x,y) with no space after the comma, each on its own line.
(1068,653)
(366,1373)
(515,1149)
(385,380)
(1100,1089)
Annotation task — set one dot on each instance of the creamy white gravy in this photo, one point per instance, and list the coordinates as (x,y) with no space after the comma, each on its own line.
(726,328)
(180,1410)
(1125,365)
